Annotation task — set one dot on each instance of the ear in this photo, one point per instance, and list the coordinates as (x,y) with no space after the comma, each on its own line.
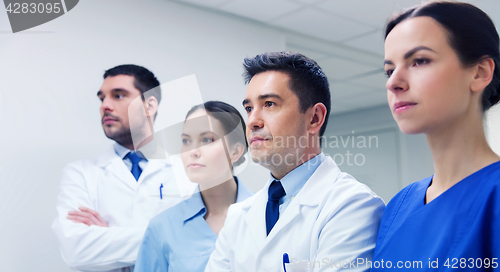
(151,105)
(483,73)
(318,118)
(236,152)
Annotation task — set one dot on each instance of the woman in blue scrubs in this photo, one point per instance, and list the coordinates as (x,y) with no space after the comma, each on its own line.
(182,238)
(441,59)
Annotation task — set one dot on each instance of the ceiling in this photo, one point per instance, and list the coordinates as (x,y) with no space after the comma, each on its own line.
(345,37)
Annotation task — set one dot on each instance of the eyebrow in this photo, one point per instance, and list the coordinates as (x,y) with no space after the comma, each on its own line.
(410,53)
(263,97)
(201,134)
(117,90)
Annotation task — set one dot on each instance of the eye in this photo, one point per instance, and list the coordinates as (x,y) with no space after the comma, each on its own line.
(206,140)
(248,109)
(118,96)
(269,104)
(420,61)
(185,141)
(389,72)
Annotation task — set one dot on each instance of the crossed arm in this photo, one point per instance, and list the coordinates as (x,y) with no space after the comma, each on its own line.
(87,216)
(87,242)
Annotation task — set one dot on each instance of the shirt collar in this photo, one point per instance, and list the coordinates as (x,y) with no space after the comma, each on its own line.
(295,180)
(122,151)
(194,206)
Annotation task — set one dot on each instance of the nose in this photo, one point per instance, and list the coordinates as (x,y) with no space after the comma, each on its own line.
(106,105)
(397,82)
(255,121)
(195,153)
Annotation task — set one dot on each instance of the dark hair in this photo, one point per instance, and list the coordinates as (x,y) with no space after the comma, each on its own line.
(307,80)
(219,110)
(144,81)
(471,33)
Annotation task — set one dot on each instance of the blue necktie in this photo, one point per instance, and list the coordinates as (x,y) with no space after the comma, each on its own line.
(135,159)
(276,192)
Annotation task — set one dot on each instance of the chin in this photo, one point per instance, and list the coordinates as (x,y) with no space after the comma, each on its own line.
(409,129)
(259,157)
(195,177)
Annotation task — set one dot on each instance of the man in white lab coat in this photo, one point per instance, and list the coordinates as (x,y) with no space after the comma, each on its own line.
(322,218)
(105,203)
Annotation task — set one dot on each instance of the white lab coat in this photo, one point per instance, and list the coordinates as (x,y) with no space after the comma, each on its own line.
(333,218)
(106,185)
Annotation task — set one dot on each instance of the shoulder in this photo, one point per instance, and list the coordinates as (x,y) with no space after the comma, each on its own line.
(349,186)
(490,175)
(489,188)
(346,193)
(97,161)
(409,193)
(339,188)
(329,177)
(401,201)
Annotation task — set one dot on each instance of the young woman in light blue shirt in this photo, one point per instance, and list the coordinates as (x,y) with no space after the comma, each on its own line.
(182,238)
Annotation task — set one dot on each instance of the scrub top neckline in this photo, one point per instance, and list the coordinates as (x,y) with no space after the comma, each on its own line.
(456,185)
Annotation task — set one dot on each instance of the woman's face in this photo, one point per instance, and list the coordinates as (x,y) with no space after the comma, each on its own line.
(428,88)
(203,155)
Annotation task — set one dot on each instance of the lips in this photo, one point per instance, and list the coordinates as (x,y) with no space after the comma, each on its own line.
(256,140)
(195,165)
(403,106)
(108,120)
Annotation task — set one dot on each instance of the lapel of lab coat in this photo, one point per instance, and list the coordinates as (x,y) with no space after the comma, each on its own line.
(255,218)
(312,194)
(157,159)
(112,163)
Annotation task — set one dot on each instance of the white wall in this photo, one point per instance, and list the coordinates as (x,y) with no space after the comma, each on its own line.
(387,167)
(492,125)
(49,112)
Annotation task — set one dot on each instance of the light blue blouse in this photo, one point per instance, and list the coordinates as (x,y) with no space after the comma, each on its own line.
(179,239)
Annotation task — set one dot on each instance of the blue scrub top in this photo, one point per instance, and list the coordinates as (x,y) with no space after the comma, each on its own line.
(458,229)
(179,239)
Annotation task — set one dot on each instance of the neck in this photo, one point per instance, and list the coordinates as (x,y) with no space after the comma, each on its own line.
(130,145)
(218,198)
(281,170)
(458,150)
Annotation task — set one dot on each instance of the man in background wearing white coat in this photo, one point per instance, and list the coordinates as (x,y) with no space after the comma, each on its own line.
(105,203)
(322,218)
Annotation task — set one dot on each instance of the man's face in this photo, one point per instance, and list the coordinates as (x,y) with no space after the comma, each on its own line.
(275,128)
(116,94)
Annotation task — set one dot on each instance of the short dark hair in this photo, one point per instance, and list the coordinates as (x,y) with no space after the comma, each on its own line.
(144,81)
(307,80)
(230,122)
(471,33)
